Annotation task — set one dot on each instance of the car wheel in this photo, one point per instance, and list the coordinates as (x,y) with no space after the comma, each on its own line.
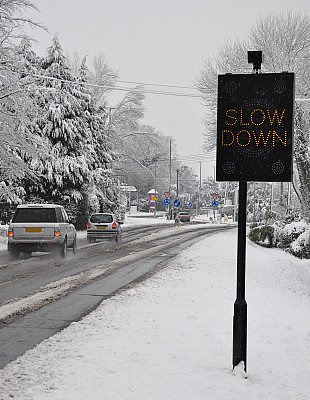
(74,246)
(13,252)
(63,249)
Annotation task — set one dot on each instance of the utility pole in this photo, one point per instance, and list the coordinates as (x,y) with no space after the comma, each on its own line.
(199,191)
(110,119)
(178,184)
(155,195)
(170,166)
(177,197)
(214,219)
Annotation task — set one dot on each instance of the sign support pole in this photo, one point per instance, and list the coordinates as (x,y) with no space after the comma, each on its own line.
(240,306)
(254,112)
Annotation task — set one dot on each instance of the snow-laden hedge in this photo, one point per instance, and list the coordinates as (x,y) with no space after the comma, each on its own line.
(293,237)
(263,235)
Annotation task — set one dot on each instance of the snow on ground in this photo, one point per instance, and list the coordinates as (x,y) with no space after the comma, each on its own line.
(171,336)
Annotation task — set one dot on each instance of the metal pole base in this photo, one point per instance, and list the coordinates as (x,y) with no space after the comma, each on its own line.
(240,333)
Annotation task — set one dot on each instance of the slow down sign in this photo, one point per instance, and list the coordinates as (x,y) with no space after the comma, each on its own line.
(254,127)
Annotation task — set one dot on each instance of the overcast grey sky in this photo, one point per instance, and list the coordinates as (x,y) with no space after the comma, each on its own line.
(159,42)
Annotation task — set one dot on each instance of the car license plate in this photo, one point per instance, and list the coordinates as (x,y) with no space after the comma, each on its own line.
(101,227)
(33,230)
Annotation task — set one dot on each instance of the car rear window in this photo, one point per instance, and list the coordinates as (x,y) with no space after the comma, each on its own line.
(101,218)
(34,215)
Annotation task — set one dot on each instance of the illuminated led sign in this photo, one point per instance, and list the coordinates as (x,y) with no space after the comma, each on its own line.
(255,127)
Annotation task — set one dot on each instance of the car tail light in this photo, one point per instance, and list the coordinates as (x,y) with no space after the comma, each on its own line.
(10,233)
(57,233)
(114,225)
(88,225)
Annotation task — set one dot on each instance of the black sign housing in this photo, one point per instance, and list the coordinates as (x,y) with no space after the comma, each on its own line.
(255,127)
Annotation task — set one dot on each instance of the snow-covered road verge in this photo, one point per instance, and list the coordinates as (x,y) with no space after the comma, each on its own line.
(171,336)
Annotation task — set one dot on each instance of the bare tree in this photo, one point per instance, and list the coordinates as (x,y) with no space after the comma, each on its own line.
(285,42)
(13,20)
(140,151)
(230,59)
(124,118)
(101,74)
(101,77)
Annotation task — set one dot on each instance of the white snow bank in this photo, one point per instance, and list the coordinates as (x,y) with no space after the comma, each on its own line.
(171,336)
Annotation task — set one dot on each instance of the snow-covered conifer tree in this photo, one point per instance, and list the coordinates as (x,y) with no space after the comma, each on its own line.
(17,108)
(100,190)
(61,123)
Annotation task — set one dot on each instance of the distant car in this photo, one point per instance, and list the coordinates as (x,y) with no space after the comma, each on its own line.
(183,216)
(41,227)
(104,226)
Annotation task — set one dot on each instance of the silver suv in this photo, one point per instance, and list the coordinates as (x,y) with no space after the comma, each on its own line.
(40,227)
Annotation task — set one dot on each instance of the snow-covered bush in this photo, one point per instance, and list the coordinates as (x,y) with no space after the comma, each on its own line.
(301,246)
(293,237)
(263,235)
(286,234)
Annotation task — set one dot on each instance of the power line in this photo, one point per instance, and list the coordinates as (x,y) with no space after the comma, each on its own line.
(157,84)
(126,89)
(197,156)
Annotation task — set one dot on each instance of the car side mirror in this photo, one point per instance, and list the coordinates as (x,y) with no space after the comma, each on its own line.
(121,222)
(73,221)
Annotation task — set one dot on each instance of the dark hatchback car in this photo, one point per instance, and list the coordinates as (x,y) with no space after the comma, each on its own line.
(184,216)
(104,226)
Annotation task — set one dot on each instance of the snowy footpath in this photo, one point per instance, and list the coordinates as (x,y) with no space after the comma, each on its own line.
(171,337)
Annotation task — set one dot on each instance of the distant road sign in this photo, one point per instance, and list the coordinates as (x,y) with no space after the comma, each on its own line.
(190,204)
(214,196)
(154,198)
(177,203)
(215,203)
(167,194)
(167,202)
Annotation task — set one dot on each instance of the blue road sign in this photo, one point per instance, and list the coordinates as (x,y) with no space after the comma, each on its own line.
(190,204)
(215,203)
(167,202)
(177,203)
